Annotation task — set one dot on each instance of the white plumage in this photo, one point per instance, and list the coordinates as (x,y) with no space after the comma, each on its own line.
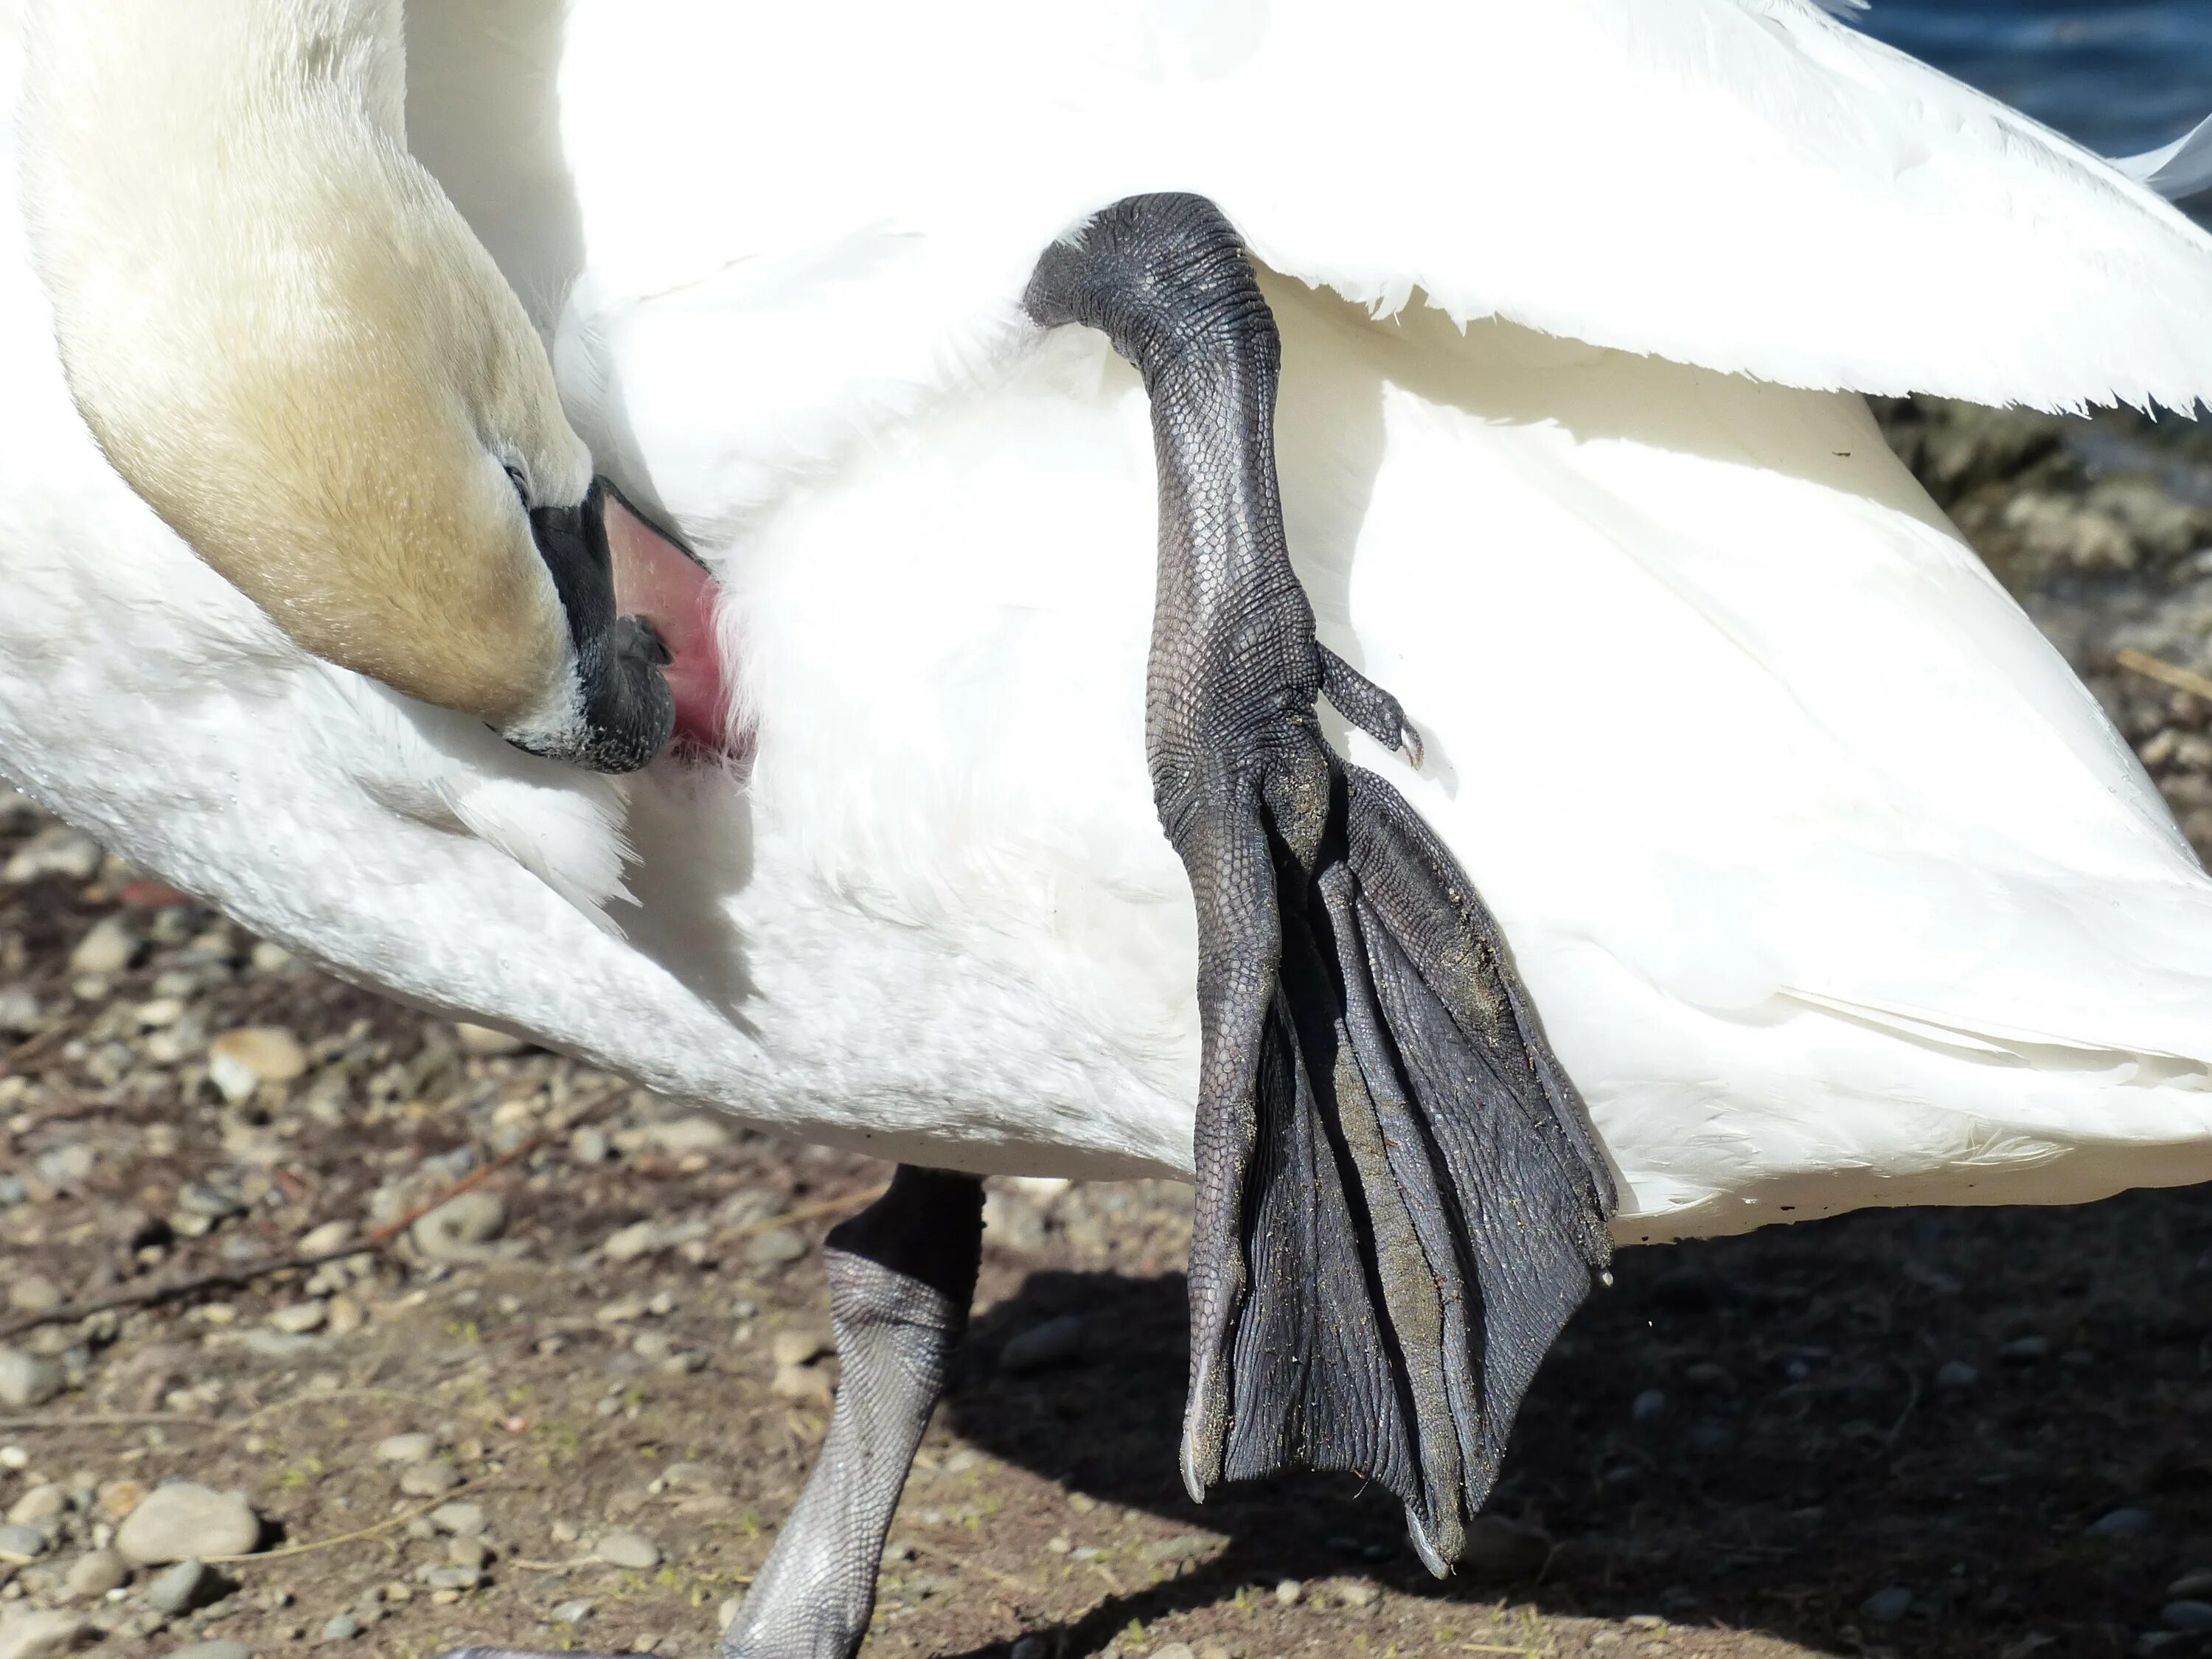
(1833,883)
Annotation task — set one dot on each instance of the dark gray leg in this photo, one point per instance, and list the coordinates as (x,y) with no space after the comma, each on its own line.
(1400,1200)
(902,1274)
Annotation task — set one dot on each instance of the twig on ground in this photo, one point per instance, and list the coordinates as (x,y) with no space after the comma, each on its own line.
(385,1525)
(970,1566)
(859,1200)
(31,1048)
(106,1420)
(2167,673)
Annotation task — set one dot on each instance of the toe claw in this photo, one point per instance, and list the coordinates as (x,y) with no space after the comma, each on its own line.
(1367,705)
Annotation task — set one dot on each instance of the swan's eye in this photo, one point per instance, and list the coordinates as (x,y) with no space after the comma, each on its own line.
(521,485)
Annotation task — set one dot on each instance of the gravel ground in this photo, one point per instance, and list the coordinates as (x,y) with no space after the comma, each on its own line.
(570,1407)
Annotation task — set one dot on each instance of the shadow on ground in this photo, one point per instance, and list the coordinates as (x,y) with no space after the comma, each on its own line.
(1948,1431)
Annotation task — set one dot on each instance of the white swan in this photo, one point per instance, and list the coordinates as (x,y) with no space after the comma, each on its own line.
(1834,884)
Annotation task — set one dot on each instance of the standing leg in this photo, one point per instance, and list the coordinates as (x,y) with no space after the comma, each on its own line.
(902,1274)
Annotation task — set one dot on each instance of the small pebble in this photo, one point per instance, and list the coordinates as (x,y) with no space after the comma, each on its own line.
(41,1504)
(1647,1405)
(301,1317)
(2193,1585)
(2188,1616)
(25,1543)
(406,1447)
(68,1166)
(35,1293)
(342,1628)
(1357,1596)
(238,1062)
(117,1498)
(1288,1592)
(96,1573)
(331,1236)
(1054,1342)
(2025,1350)
(798,1348)
(212,1651)
(588,1146)
(624,1548)
(1032,1647)
(483,1040)
(108,948)
(210,1202)
(462,1222)
(462,1520)
(1886,1606)
(449,1578)
(431,1480)
(2121,1524)
(1175,1650)
(802,1384)
(572,1612)
(628,1243)
(182,1522)
(28,1634)
(181,1587)
(467,1552)
(777,1248)
(1957,1373)
(28,1380)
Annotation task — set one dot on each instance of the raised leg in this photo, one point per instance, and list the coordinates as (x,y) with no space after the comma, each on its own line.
(1399,1199)
(902,1274)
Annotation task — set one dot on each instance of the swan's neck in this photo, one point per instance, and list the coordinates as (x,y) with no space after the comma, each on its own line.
(169,83)
(289,343)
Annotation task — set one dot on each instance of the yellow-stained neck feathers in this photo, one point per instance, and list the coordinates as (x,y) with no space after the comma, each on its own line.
(286,339)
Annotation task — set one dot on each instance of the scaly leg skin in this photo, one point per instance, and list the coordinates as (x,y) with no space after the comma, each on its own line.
(902,1275)
(1399,1198)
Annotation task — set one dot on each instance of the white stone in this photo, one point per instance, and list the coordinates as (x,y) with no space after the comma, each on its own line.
(406,1447)
(240,1061)
(300,1318)
(624,1548)
(28,1634)
(98,1572)
(184,1522)
(43,1502)
(56,850)
(26,1380)
(483,1040)
(459,1225)
(107,949)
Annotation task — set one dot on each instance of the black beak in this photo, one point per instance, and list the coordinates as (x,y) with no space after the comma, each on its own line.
(629,713)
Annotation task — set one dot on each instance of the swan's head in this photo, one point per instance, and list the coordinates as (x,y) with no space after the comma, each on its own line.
(288,342)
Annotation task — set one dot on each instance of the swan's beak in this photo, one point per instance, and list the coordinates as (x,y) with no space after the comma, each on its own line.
(640,613)
(660,584)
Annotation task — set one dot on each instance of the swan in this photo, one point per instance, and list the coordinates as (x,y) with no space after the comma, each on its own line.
(341,602)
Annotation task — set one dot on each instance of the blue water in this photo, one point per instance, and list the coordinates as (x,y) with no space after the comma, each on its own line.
(2119,76)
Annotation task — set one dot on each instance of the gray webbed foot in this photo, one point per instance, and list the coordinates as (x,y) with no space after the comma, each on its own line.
(1400,1200)
(902,1275)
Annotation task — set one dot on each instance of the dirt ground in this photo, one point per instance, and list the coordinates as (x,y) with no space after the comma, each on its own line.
(1931,1432)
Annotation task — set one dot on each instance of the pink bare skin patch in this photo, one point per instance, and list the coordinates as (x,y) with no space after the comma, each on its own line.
(656,579)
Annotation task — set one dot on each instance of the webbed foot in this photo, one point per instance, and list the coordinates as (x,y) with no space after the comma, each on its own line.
(1399,1199)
